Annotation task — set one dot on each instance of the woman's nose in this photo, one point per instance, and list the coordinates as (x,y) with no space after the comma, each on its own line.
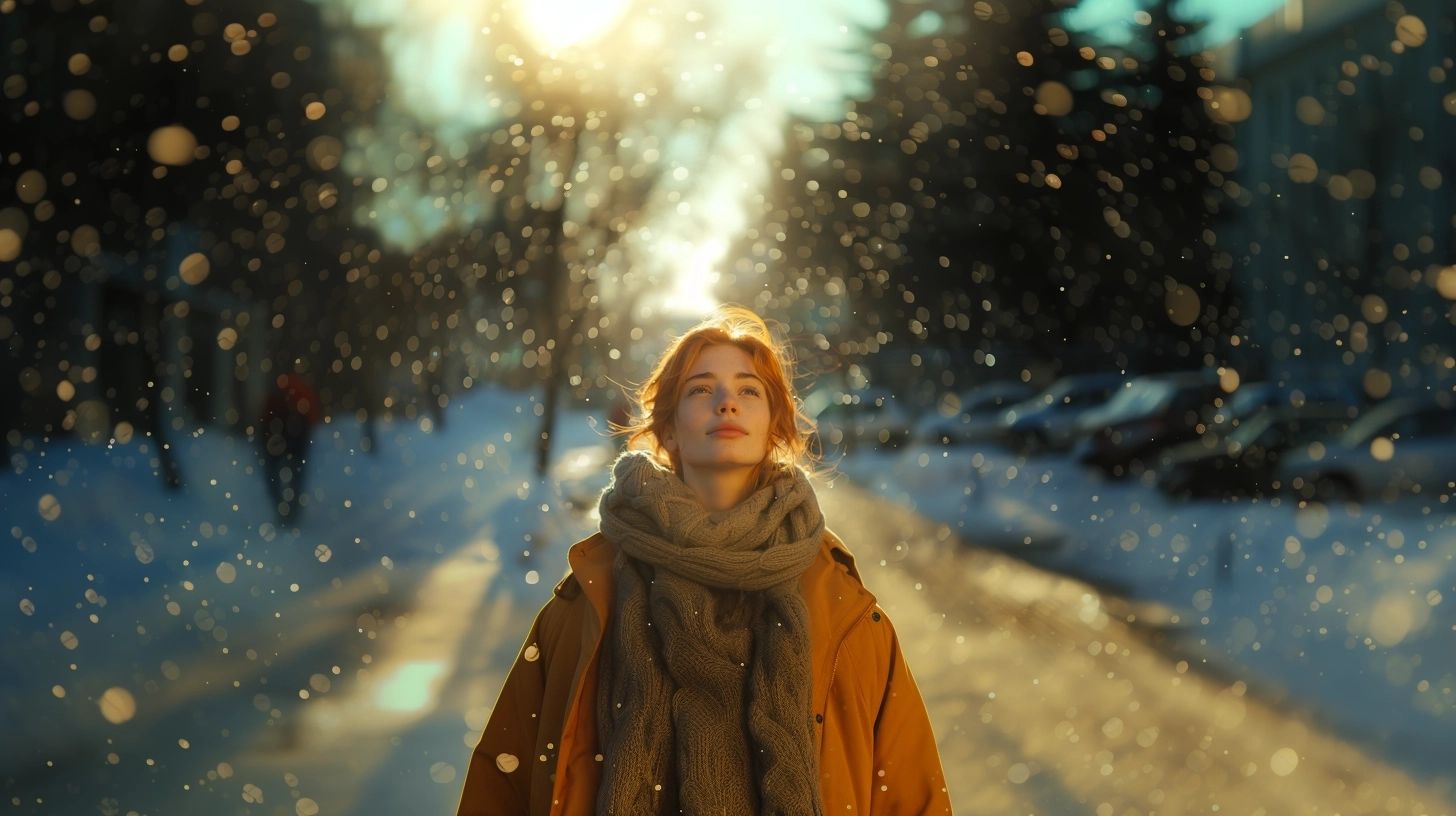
(728,405)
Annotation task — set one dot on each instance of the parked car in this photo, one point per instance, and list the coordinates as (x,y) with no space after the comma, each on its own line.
(979,416)
(1402,445)
(1150,414)
(1047,421)
(1242,460)
(849,419)
(1251,398)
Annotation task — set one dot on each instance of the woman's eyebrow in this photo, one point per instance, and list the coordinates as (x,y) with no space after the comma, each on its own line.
(710,376)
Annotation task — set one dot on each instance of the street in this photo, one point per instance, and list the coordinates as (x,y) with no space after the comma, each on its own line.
(370,686)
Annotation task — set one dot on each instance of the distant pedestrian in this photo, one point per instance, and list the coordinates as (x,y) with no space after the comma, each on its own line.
(288,415)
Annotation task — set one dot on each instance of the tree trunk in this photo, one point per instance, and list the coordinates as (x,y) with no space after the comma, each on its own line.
(557,297)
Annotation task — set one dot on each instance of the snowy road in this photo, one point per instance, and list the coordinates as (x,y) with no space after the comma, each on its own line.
(349,668)
(1344,612)
(333,666)
(1046,703)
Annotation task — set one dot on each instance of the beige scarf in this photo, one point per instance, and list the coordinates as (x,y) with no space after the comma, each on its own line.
(704,698)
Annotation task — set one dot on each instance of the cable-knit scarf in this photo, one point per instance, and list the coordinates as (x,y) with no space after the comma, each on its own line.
(704,698)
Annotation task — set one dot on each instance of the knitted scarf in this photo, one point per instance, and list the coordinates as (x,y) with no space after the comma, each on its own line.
(704,697)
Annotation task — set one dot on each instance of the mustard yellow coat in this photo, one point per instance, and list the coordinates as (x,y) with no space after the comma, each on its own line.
(877,754)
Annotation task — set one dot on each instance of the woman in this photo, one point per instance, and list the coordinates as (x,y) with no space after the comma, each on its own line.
(712,650)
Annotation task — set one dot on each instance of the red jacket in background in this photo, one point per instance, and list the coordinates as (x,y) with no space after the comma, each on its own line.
(292,396)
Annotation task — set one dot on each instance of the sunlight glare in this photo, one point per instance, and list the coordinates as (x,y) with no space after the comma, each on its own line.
(412,687)
(557,24)
(692,291)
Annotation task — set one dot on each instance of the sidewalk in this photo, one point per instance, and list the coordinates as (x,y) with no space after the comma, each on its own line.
(1044,703)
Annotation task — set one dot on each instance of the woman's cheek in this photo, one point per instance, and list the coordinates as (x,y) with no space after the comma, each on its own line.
(764,418)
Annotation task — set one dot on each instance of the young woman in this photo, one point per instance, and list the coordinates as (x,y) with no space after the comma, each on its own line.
(713,650)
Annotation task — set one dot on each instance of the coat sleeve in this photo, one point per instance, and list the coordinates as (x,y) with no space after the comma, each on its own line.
(498,782)
(908,779)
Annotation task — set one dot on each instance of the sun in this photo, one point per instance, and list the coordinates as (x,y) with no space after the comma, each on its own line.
(555,25)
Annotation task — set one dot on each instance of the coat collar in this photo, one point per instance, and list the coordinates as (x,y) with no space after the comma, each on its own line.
(832,577)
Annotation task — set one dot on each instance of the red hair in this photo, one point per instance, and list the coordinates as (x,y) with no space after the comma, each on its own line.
(729,325)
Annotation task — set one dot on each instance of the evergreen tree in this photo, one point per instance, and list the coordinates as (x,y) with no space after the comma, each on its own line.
(1028,197)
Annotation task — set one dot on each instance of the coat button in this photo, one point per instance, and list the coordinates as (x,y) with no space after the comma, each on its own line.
(818,718)
(876,616)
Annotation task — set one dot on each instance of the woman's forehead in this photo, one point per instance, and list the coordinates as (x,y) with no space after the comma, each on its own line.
(718,359)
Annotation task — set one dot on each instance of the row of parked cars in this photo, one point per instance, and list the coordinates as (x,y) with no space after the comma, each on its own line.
(1316,438)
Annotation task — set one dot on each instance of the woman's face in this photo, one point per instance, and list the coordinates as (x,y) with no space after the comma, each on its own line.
(722,413)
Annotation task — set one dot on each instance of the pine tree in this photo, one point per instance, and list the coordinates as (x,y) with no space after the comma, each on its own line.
(1034,198)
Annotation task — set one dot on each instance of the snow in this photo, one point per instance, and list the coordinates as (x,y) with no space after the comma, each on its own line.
(1348,611)
(414,554)
(380,526)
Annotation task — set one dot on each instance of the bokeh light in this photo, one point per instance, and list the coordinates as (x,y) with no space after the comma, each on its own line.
(1127,330)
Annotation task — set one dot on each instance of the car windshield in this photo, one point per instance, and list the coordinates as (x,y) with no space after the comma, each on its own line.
(1140,398)
(1368,425)
(1249,430)
(1248,400)
(1295,429)
(1064,392)
(1051,396)
(1056,391)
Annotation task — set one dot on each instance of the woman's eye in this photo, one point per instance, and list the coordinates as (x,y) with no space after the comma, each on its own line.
(704,389)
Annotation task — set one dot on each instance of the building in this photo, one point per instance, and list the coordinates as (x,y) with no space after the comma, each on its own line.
(1344,250)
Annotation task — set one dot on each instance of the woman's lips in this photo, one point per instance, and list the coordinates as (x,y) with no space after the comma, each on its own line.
(728,433)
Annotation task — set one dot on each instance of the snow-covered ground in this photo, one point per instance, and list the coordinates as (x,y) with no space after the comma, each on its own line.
(1045,700)
(352,661)
(1348,611)
(214,633)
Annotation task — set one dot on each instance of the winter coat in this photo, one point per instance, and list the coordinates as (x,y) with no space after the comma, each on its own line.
(538,755)
(291,398)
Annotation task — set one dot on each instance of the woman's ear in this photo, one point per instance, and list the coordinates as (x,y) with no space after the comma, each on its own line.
(669,439)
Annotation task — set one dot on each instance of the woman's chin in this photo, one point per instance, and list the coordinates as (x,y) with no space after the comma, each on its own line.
(726,457)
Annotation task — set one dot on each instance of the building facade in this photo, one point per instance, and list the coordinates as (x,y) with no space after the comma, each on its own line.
(1349,151)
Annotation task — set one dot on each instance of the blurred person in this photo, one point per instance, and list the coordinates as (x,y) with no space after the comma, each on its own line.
(289,413)
(713,649)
